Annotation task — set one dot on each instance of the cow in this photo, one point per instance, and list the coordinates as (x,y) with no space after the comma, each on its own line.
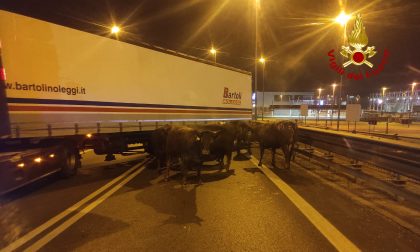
(158,144)
(218,142)
(183,144)
(275,135)
(243,132)
(293,143)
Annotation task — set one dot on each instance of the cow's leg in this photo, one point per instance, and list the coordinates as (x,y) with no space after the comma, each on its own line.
(168,167)
(286,153)
(221,162)
(291,154)
(273,157)
(261,154)
(184,170)
(229,160)
(249,149)
(199,175)
(238,148)
(158,164)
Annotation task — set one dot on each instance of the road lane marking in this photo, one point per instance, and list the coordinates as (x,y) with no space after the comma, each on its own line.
(61,228)
(333,235)
(29,236)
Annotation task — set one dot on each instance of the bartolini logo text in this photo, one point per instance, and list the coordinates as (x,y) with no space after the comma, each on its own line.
(230,97)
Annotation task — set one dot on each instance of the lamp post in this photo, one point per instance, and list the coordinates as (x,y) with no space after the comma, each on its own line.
(383,99)
(333,94)
(214,53)
(341,19)
(319,103)
(333,103)
(257,6)
(413,85)
(262,61)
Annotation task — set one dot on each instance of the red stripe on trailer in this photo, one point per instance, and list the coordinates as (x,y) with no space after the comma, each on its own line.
(134,110)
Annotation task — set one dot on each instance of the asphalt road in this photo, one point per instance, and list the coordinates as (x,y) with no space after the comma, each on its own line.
(239,210)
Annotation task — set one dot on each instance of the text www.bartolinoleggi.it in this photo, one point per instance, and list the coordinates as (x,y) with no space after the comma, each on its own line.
(46,88)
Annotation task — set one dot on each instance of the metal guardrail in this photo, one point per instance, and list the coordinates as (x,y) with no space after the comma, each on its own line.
(391,189)
(398,158)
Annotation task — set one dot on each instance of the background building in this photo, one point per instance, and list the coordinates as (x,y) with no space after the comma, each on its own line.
(395,101)
(287,104)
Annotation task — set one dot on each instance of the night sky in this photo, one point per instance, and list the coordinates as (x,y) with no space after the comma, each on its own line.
(295,35)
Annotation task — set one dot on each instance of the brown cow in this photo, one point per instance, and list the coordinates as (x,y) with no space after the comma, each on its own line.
(183,144)
(158,144)
(218,142)
(276,135)
(243,132)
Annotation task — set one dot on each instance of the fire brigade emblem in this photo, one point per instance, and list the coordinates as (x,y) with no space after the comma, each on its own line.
(358,40)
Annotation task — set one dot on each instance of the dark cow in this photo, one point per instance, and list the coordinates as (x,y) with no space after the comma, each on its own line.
(183,144)
(158,144)
(217,142)
(276,135)
(293,144)
(243,132)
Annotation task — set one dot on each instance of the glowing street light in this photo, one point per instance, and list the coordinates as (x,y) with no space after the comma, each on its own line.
(383,91)
(342,18)
(115,29)
(383,98)
(214,53)
(262,60)
(333,103)
(333,94)
(319,103)
(413,85)
(319,92)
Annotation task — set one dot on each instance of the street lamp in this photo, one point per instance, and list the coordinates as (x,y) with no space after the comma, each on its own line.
(257,6)
(214,53)
(383,91)
(383,98)
(333,103)
(333,94)
(115,29)
(319,101)
(319,92)
(341,19)
(262,61)
(413,85)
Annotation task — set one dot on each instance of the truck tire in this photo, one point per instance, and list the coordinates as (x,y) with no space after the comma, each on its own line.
(70,162)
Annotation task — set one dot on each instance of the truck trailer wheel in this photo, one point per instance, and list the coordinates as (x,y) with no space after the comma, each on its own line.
(70,162)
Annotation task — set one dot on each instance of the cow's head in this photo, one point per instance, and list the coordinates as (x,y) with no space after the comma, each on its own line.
(207,138)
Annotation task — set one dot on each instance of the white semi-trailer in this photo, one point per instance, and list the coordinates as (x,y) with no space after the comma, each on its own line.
(62,88)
